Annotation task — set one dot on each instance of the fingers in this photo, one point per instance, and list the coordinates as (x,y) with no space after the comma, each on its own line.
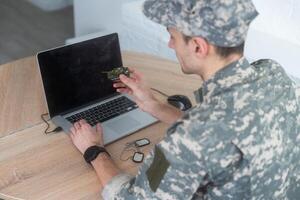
(99,128)
(73,130)
(125,90)
(119,85)
(84,124)
(77,125)
(72,133)
(72,136)
(122,88)
(129,82)
(136,74)
(131,70)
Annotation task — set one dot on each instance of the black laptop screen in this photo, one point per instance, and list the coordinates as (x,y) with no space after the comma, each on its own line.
(73,76)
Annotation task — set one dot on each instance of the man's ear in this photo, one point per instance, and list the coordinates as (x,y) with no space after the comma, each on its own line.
(200,46)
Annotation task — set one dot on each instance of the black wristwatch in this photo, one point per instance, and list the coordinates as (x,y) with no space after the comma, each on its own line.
(92,153)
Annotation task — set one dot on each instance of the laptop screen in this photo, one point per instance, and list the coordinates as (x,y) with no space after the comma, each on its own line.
(74,75)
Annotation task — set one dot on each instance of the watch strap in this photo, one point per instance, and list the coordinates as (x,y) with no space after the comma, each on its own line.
(92,153)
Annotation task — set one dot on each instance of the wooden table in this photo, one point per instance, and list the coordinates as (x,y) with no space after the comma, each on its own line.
(38,166)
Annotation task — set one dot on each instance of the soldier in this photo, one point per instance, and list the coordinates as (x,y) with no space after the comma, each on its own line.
(238,142)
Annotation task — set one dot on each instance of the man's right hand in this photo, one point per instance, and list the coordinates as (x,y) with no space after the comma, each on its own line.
(135,86)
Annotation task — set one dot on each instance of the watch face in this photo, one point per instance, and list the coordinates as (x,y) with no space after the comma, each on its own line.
(92,152)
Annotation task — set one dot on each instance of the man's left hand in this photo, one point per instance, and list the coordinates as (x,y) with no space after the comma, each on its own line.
(84,136)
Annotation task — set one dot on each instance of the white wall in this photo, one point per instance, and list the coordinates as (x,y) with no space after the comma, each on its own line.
(91,16)
(274,34)
(280,18)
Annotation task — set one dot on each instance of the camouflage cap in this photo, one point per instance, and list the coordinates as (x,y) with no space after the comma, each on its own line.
(223,23)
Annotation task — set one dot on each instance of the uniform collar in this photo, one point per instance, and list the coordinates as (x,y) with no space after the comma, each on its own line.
(233,74)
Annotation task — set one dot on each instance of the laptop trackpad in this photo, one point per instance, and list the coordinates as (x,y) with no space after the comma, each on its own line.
(123,124)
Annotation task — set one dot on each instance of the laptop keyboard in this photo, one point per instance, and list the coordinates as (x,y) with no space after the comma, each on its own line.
(104,111)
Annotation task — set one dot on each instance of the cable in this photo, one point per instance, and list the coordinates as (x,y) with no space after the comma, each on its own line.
(57,129)
(160,92)
(134,147)
(125,150)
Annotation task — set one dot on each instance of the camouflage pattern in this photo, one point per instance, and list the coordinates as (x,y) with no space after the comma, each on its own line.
(239,142)
(223,23)
(115,73)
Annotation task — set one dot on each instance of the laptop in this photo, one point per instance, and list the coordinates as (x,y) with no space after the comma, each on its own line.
(76,87)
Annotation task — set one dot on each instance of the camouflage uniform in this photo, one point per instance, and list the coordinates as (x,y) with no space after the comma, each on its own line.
(223,23)
(240,140)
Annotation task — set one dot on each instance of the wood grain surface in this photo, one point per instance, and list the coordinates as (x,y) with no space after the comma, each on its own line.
(21,96)
(38,166)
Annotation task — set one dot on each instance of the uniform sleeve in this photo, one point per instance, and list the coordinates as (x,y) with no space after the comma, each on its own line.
(115,185)
(189,158)
(162,179)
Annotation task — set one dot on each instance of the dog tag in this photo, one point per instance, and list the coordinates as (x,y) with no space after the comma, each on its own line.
(142,142)
(138,157)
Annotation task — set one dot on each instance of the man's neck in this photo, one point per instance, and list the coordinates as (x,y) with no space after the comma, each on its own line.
(215,64)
